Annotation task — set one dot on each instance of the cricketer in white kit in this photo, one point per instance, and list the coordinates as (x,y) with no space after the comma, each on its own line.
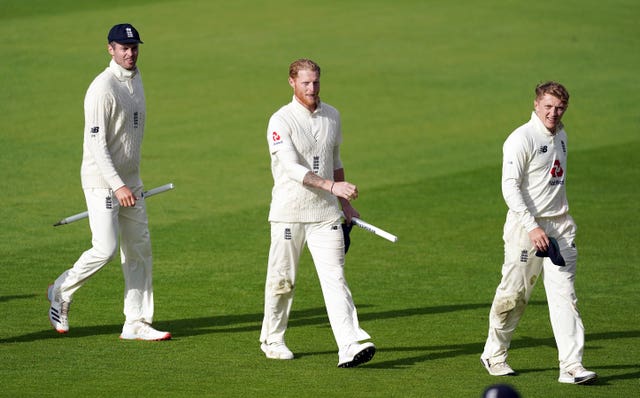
(534,173)
(304,139)
(115,113)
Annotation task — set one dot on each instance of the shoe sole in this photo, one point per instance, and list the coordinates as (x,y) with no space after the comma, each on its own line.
(363,356)
(583,381)
(163,338)
(61,331)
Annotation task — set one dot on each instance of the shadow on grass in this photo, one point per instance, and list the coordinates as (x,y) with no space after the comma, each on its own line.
(602,380)
(317,316)
(79,332)
(16,297)
(242,322)
(435,352)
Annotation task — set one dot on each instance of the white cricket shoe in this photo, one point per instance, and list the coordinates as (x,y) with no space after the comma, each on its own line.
(355,354)
(276,350)
(577,375)
(139,330)
(497,369)
(58,311)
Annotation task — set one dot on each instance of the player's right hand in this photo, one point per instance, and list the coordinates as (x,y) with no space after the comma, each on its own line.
(345,190)
(125,196)
(539,239)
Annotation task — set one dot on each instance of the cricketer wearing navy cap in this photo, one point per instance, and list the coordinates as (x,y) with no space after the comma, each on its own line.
(114,123)
(124,33)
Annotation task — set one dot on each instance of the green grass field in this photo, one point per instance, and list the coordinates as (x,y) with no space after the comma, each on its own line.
(428,92)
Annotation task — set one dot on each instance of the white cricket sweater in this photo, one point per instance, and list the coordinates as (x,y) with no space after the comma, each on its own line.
(114,111)
(534,171)
(301,141)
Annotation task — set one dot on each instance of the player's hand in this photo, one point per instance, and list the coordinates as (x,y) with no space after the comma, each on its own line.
(125,197)
(539,239)
(345,190)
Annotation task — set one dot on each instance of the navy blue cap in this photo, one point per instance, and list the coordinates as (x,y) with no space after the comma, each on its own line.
(124,33)
(553,252)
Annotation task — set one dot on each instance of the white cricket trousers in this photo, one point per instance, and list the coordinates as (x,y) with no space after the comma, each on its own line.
(107,220)
(326,244)
(520,271)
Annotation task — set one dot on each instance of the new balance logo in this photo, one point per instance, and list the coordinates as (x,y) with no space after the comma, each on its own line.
(95,130)
(543,149)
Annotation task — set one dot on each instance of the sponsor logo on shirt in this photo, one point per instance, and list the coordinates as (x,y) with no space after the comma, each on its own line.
(275,137)
(95,130)
(543,149)
(557,172)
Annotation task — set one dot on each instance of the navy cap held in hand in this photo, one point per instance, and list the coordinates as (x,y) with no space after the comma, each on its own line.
(553,252)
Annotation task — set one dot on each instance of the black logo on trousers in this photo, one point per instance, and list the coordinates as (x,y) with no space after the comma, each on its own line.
(109,202)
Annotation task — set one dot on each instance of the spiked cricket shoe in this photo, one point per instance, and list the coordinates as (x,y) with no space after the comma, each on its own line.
(355,354)
(58,311)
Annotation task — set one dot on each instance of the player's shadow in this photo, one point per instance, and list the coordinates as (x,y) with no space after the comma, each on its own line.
(299,318)
(411,355)
(430,353)
(17,297)
(242,322)
(603,380)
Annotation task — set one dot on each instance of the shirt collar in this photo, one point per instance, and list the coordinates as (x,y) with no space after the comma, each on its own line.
(121,73)
(542,128)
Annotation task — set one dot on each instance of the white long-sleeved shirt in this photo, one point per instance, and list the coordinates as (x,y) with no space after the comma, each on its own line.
(301,141)
(114,111)
(534,170)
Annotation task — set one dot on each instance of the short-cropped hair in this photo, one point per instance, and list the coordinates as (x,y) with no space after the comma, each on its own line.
(553,88)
